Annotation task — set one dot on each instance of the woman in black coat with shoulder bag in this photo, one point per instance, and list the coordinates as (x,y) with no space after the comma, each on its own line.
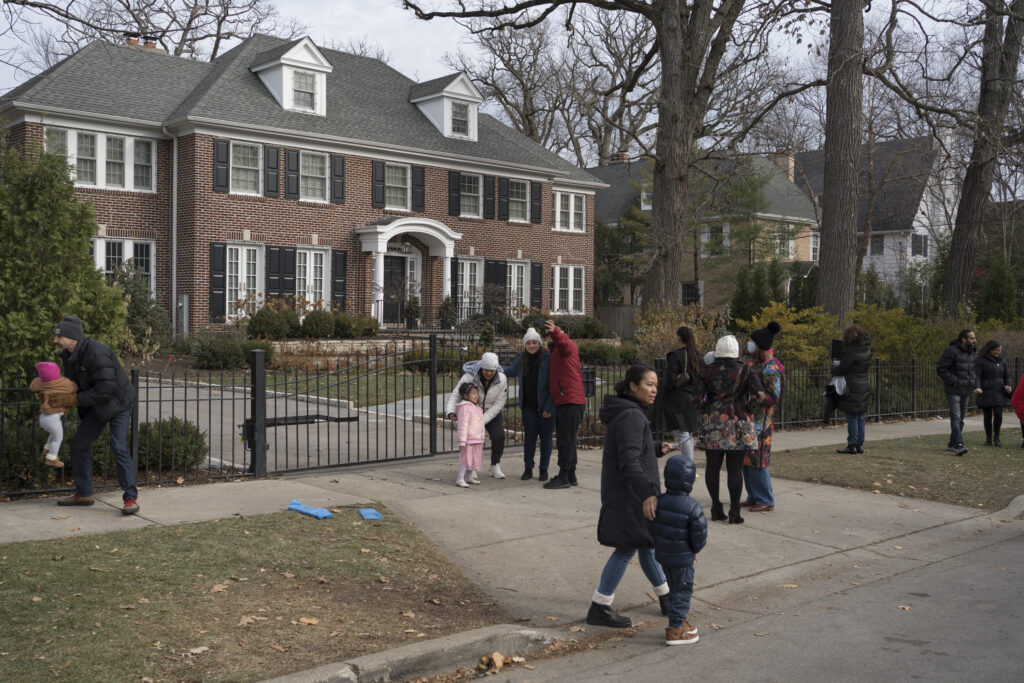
(853,365)
(683,368)
(629,492)
(994,378)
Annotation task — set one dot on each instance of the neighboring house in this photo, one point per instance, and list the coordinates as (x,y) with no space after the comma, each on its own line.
(784,226)
(904,202)
(284,170)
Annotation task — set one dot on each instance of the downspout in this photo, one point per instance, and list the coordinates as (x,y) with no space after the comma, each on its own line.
(174,233)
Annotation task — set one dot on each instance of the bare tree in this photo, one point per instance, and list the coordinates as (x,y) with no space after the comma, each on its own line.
(357,45)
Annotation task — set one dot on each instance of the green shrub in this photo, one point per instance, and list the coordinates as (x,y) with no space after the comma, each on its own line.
(149,326)
(447,314)
(171,444)
(629,353)
(345,326)
(582,327)
(291,319)
(229,353)
(267,323)
(486,338)
(598,353)
(366,326)
(318,325)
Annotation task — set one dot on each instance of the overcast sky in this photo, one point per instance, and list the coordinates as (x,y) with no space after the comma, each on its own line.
(415,48)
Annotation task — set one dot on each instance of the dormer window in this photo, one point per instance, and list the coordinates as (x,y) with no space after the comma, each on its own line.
(304,90)
(460,118)
(450,103)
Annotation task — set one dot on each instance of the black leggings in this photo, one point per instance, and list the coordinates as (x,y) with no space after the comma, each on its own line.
(734,475)
(496,430)
(993,419)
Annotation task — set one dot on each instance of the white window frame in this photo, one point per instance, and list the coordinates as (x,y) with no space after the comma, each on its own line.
(69,138)
(309,283)
(259,168)
(470,286)
(919,245)
(567,295)
(815,247)
(407,188)
(784,247)
(468,120)
(646,202)
(95,158)
(322,198)
(108,161)
(881,245)
(151,164)
(248,278)
(99,256)
(575,207)
(705,239)
(525,201)
(296,74)
(517,296)
(463,195)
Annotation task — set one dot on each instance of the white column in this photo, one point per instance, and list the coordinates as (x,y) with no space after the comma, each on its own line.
(446,278)
(378,286)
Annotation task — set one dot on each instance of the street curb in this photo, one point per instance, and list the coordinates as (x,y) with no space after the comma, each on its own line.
(435,656)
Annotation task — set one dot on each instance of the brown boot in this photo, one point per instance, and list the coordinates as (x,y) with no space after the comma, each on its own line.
(53,462)
(679,636)
(77,500)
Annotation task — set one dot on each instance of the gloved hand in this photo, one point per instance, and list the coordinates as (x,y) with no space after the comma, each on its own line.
(63,400)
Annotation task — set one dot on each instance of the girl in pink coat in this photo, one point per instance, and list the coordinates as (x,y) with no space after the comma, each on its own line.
(470,417)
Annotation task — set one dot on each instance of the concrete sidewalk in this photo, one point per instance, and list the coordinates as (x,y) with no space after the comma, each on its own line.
(535,550)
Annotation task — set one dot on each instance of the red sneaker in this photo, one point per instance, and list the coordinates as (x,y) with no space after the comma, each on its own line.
(131,506)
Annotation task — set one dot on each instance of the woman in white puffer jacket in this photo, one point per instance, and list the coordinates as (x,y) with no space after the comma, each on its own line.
(487,374)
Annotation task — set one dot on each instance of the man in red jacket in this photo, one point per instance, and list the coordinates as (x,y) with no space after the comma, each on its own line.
(565,379)
(1017,401)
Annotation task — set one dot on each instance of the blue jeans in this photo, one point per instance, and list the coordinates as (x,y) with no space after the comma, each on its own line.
(615,569)
(854,429)
(680,590)
(685,441)
(536,426)
(89,429)
(759,485)
(957,410)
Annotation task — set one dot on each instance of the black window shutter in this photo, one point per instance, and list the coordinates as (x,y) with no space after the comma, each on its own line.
(488,196)
(271,171)
(218,281)
(495,277)
(535,202)
(419,188)
(377,185)
(502,199)
(221,165)
(339,273)
(454,188)
(291,174)
(280,272)
(337,179)
(536,284)
(455,283)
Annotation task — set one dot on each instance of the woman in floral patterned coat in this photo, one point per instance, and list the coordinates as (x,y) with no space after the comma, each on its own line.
(768,368)
(726,424)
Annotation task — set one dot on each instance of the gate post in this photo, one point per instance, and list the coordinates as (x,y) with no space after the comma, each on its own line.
(878,390)
(913,387)
(135,421)
(258,466)
(432,403)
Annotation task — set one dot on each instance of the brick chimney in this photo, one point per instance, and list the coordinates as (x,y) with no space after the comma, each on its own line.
(785,160)
(149,41)
(130,38)
(620,157)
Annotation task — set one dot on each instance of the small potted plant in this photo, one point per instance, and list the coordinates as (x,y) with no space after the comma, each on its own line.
(412,312)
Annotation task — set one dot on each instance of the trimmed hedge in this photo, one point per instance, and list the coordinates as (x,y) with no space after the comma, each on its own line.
(318,325)
(171,444)
(603,353)
(228,353)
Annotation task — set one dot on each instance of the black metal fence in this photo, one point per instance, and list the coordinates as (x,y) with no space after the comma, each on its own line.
(366,406)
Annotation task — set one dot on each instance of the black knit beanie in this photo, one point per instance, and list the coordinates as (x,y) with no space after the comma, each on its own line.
(766,335)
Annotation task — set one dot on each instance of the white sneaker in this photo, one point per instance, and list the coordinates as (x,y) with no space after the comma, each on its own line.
(473,479)
(461,483)
(496,472)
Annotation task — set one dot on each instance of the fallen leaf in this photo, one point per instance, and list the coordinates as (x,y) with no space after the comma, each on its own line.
(789,585)
(76,528)
(126,607)
(57,558)
(876,491)
(60,516)
(36,598)
(245,621)
(552,618)
(143,600)
(411,615)
(199,650)
(277,647)
(288,575)
(896,547)
(530,667)
(434,601)
(409,630)
(364,550)
(384,579)
(219,588)
(497,660)
(309,621)
(322,579)
(518,659)
(760,634)
(905,608)
(179,481)
(577,629)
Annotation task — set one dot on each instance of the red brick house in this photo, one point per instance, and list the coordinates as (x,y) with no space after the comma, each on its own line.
(286,170)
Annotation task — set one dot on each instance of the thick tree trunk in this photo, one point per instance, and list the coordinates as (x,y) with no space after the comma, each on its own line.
(1001,53)
(844,93)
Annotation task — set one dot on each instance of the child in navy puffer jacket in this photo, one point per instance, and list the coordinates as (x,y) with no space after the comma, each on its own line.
(680,531)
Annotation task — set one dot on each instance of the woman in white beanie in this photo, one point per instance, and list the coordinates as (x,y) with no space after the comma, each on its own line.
(535,401)
(726,424)
(487,374)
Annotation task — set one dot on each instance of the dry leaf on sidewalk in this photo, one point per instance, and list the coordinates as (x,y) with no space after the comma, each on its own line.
(905,608)
(309,621)
(219,588)
(60,516)
(789,585)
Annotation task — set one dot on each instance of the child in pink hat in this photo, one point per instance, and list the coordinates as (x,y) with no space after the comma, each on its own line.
(48,384)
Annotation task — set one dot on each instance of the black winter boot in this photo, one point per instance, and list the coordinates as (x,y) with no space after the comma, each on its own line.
(734,516)
(604,615)
(527,474)
(849,449)
(860,447)
(718,512)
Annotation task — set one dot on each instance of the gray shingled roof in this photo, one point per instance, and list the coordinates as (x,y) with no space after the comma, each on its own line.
(367,101)
(901,169)
(275,52)
(783,198)
(433,87)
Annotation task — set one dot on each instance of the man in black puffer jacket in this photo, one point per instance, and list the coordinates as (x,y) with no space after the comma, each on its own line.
(105,396)
(956,368)
(680,531)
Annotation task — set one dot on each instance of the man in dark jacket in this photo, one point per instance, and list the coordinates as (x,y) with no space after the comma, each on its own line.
(105,397)
(565,379)
(956,368)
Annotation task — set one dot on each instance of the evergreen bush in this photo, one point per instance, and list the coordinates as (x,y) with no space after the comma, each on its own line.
(267,323)
(171,444)
(318,325)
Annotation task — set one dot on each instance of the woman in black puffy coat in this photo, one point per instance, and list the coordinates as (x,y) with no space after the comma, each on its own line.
(994,378)
(629,492)
(853,365)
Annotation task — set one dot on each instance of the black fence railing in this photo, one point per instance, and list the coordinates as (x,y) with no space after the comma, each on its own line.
(365,406)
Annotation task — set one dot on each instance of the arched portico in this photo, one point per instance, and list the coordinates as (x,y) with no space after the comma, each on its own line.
(438,238)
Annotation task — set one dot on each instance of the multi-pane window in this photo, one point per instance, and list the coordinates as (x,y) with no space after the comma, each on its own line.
(310,277)
(115,161)
(142,259)
(242,277)
(470,288)
(690,293)
(110,254)
(517,285)
(919,245)
(313,176)
(877,245)
(143,164)
(460,118)
(469,195)
(396,187)
(569,211)
(85,163)
(784,242)
(715,240)
(567,285)
(815,246)
(113,257)
(57,141)
(304,85)
(518,200)
(245,168)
